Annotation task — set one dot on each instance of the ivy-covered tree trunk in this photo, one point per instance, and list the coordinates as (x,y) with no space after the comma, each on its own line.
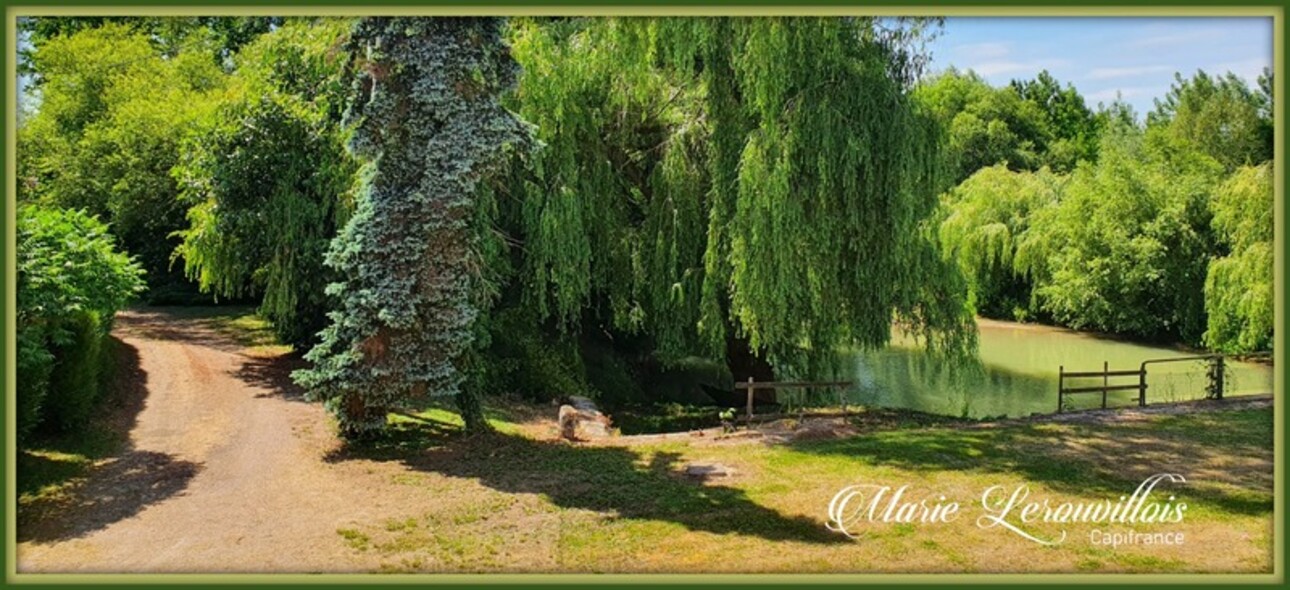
(428,123)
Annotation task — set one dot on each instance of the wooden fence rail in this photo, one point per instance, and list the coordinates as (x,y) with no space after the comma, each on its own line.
(1213,391)
(752,385)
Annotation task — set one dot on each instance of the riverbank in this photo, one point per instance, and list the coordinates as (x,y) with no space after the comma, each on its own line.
(832,424)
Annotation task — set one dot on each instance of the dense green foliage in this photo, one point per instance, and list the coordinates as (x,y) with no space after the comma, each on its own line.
(986,217)
(76,380)
(1125,243)
(821,239)
(1239,287)
(1074,130)
(570,247)
(71,280)
(112,113)
(676,198)
(267,179)
(428,124)
(1026,125)
(1125,249)
(1220,116)
(223,35)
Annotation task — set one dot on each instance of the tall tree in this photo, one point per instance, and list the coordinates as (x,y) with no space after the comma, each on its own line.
(1219,115)
(112,116)
(1239,296)
(679,192)
(985,220)
(1073,127)
(984,125)
(825,147)
(267,178)
(429,124)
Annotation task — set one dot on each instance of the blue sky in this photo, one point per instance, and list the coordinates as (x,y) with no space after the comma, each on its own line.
(1136,57)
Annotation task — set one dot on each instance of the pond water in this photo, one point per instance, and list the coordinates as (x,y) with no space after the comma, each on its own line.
(1020,374)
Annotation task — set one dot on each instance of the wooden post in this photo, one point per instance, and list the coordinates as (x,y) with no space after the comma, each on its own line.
(1216,377)
(750,400)
(1105,376)
(1061,376)
(1142,387)
(842,399)
(1221,367)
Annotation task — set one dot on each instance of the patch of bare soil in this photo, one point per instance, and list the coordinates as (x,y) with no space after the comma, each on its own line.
(223,471)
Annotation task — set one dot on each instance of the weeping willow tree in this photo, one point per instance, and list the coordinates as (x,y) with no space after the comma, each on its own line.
(822,215)
(604,116)
(428,124)
(983,223)
(754,190)
(609,214)
(267,179)
(1239,294)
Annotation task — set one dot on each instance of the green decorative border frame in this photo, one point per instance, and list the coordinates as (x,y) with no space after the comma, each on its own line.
(958,8)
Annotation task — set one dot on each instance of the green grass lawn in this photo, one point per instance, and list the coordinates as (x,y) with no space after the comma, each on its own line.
(520,501)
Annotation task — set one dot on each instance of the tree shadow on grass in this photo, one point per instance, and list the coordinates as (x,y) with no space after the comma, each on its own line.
(80,482)
(1227,462)
(612,480)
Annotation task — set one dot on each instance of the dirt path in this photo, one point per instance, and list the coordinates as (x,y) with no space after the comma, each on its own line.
(224,471)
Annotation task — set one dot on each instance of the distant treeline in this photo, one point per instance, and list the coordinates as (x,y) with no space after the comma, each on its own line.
(1160,230)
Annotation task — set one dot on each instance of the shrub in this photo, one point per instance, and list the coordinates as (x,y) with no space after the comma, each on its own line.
(71,280)
(34,364)
(75,386)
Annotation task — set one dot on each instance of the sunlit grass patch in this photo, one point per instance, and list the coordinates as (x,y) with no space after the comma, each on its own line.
(238,323)
(511,502)
(250,330)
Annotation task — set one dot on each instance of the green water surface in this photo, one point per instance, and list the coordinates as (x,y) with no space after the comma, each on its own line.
(1020,365)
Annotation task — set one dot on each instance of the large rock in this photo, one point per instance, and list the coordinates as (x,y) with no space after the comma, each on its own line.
(581,420)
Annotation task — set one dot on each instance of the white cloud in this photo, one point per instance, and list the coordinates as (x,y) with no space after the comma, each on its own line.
(981,50)
(1005,67)
(1159,36)
(1249,69)
(995,68)
(1128,72)
(1110,94)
